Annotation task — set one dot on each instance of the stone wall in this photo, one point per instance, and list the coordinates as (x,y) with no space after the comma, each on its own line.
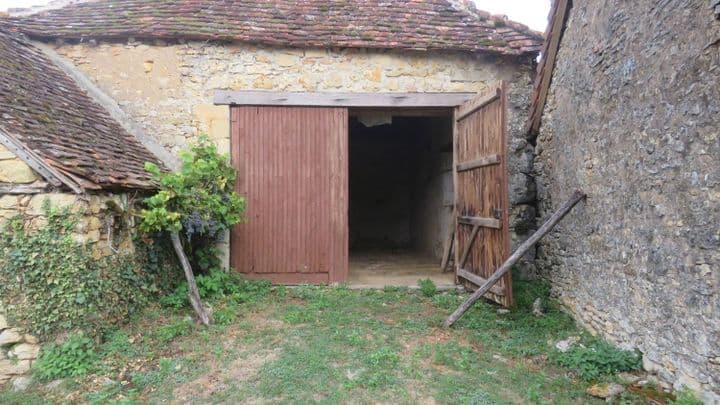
(632,119)
(167,88)
(104,219)
(104,223)
(13,170)
(18,351)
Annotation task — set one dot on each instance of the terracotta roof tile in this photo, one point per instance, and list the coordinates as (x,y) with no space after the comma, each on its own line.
(394,24)
(46,111)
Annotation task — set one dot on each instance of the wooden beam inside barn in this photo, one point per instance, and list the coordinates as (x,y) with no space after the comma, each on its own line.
(326,99)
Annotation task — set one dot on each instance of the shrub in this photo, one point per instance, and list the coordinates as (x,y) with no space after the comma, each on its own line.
(216,285)
(198,200)
(598,358)
(52,283)
(685,396)
(73,358)
(427,287)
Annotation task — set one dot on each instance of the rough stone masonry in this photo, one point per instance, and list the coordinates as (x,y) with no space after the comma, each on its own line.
(166,88)
(633,120)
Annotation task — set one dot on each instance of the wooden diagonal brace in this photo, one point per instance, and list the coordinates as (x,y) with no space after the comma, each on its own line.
(505,267)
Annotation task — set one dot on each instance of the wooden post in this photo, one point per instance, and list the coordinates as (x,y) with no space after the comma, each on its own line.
(449,242)
(532,240)
(193,293)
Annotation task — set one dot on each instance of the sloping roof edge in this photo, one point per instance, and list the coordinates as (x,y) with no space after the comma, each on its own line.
(59,130)
(27,155)
(553,35)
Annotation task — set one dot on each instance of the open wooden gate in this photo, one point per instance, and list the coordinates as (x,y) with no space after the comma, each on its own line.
(481,192)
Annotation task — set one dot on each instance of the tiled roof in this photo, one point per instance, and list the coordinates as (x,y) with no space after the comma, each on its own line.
(389,24)
(45,112)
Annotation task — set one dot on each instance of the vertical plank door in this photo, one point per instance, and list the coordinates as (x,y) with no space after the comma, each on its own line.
(481,192)
(293,171)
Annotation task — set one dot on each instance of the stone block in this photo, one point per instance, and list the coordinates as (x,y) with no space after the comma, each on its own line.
(8,202)
(5,154)
(57,200)
(16,171)
(13,367)
(24,351)
(10,337)
(3,322)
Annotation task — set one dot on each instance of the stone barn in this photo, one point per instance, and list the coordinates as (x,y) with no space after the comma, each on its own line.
(58,145)
(341,117)
(627,109)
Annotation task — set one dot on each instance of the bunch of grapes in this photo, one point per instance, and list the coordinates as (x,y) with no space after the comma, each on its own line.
(195,224)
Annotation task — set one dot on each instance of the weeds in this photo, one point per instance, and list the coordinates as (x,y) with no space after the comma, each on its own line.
(73,358)
(427,287)
(597,359)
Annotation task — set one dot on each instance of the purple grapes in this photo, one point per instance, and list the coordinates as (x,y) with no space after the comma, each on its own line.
(195,224)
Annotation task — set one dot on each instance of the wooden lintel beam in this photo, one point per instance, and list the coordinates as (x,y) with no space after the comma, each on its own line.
(480,221)
(477,280)
(478,163)
(327,99)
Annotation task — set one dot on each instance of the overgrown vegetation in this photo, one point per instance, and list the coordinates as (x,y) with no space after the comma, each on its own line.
(73,358)
(198,200)
(598,358)
(219,285)
(52,283)
(318,344)
(427,287)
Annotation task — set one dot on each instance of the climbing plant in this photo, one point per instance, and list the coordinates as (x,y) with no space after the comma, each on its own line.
(194,205)
(53,284)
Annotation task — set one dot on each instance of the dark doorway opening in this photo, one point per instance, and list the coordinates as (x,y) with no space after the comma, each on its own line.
(401,197)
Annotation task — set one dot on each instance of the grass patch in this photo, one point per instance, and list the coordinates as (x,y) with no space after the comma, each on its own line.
(334,345)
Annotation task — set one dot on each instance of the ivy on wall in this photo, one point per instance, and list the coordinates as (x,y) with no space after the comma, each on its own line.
(50,283)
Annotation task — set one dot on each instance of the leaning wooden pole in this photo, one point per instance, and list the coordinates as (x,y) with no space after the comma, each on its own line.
(532,240)
(193,293)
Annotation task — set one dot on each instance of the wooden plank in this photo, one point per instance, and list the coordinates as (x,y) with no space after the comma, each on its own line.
(466,252)
(449,242)
(479,281)
(477,103)
(553,36)
(403,112)
(480,221)
(478,163)
(519,253)
(27,155)
(32,188)
(322,99)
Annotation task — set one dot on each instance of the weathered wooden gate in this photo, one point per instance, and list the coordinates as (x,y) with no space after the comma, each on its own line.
(292,168)
(481,192)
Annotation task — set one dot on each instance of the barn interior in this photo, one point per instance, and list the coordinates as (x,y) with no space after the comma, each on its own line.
(400,198)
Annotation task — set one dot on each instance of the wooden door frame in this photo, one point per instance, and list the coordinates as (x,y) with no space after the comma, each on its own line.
(400,104)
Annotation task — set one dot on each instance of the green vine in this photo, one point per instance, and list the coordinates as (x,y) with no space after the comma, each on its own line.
(50,283)
(198,200)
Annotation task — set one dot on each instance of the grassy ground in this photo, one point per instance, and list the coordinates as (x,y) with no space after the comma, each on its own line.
(333,345)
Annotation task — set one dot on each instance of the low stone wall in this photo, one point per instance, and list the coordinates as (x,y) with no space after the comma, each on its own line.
(18,351)
(104,220)
(104,223)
